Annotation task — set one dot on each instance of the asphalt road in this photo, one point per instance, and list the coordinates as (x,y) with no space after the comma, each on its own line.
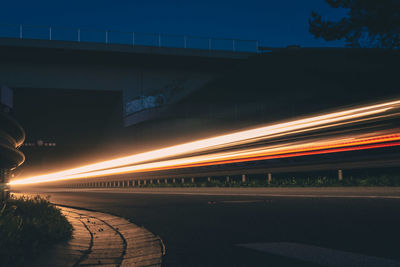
(202,227)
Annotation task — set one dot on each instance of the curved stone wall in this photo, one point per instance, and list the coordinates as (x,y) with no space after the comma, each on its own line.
(11,137)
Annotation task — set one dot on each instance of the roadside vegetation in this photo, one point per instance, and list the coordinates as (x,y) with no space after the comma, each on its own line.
(285,181)
(27,226)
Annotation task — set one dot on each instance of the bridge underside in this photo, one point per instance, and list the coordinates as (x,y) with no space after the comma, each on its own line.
(148,77)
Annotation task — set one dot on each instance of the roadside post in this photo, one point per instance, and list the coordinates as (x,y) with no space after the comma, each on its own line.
(4,190)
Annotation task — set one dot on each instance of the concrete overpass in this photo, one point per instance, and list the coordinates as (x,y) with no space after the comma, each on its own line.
(149,76)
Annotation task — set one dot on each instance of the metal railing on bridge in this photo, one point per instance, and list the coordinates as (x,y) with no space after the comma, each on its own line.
(36,32)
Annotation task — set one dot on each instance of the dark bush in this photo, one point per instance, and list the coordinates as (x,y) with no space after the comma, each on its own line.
(27,226)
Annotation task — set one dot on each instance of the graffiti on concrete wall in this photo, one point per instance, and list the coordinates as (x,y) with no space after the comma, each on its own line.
(158,98)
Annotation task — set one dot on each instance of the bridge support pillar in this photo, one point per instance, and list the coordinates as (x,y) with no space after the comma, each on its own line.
(340,175)
(151,181)
(269,179)
(144,182)
(192,180)
(158,181)
(166,181)
(227,179)
(183,180)
(173,180)
(243,178)
(209,179)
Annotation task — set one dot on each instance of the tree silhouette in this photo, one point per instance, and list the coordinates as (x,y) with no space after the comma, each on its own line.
(368,23)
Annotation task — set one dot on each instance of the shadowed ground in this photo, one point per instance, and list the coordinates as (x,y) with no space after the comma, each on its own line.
(204,230)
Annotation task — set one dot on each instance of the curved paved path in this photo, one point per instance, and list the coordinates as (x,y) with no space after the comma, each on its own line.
(101,239)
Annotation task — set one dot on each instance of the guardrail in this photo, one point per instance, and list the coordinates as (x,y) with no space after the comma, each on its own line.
(22,31)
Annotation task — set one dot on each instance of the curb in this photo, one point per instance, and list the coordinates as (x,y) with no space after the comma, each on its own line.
(101,239)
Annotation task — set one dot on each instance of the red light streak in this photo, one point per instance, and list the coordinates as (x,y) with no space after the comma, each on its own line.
(183,156)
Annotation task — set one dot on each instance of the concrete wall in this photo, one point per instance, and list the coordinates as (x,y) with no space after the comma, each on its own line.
(134,71)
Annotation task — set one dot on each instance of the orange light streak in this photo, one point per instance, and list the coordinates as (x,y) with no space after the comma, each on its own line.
(156,159)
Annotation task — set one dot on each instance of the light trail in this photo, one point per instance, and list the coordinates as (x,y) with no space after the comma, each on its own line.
(263,153)
(181,155)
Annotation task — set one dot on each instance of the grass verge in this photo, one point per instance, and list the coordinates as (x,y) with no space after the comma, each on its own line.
(28,225)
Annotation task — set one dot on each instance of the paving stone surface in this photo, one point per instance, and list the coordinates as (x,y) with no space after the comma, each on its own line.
(101,239)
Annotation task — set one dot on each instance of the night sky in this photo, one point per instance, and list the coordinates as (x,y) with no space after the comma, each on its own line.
(273,23)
